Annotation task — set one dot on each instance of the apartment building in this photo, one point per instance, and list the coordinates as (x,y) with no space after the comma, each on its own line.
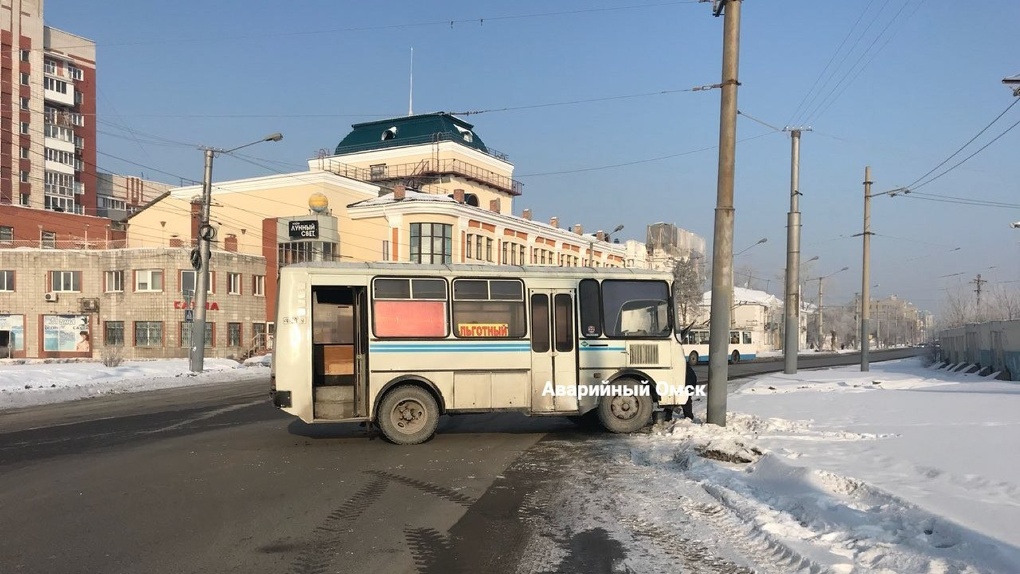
(47,112)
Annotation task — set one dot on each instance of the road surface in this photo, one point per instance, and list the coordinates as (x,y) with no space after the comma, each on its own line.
(214,479)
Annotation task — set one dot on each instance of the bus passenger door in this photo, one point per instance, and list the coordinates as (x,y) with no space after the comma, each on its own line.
(553,351)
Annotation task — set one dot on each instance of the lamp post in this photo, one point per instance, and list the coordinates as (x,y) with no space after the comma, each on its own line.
(821,340)
(760,241)
(591,244)
(200,255)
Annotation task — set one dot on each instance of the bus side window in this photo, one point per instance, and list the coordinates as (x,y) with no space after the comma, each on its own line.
(591,312)
(747,337)
(735,337)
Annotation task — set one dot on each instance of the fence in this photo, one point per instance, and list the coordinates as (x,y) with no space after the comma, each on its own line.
(994,345)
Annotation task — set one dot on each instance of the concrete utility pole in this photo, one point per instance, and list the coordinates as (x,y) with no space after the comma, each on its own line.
(200,256)
(722,241)
(791,344)
(866,272)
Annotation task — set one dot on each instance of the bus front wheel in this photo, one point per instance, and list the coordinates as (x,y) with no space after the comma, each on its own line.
(692,359)
(408,415)
(625,414)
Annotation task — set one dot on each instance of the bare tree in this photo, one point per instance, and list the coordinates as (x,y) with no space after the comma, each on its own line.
(959,308)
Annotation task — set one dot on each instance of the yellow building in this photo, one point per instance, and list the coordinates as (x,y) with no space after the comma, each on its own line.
(421,188)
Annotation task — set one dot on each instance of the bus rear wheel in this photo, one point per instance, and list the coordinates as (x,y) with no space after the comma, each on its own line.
(692,359)
(408,415)
(625,414)
(735,357)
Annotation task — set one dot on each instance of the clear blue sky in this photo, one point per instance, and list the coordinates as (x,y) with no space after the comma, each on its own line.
(914,81)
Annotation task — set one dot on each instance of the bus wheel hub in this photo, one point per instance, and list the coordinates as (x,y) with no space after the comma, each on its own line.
(624,407)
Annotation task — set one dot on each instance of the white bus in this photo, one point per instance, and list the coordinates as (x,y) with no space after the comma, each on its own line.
(741,347)
(399,344)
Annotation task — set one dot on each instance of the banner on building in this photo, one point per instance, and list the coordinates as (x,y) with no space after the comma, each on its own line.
(67,333)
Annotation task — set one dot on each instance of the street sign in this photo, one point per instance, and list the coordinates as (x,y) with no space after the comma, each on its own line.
(189,315)
(196,259)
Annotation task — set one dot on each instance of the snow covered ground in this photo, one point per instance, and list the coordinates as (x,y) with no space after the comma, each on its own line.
(32,382)
(900,469)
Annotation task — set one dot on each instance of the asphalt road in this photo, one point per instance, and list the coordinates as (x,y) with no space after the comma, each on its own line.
(214,479)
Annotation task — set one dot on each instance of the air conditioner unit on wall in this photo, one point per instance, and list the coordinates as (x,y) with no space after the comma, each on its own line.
(89,305)
(50,296)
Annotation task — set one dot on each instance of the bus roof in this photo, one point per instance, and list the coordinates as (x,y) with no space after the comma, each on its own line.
(384,267)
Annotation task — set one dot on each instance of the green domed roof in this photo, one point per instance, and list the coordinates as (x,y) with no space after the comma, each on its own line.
(410,130)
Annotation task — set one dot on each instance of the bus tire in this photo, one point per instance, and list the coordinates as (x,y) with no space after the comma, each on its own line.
(735,357)
(625,414)
(692,359)
(408,415)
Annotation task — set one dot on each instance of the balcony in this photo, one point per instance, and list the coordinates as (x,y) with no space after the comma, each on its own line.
(430,169)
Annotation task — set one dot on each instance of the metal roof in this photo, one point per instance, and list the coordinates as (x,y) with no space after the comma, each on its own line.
(410,130)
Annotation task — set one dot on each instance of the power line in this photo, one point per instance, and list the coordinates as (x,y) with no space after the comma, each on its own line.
(964,146)
(829,63)
(826,102)
(636,162)
(573,102)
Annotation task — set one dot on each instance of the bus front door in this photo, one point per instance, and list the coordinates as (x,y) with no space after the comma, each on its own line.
(553,351)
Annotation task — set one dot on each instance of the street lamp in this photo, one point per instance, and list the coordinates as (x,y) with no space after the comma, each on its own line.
(821,340)
(760,241)
(200,255)
(591,244)
(1015,225)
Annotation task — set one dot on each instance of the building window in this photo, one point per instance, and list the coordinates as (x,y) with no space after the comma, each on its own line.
(74,73)
(148,333)
(377,170)
(386,250)
(469,252)
(24,176)
(258,285)
(233,283)
(233,334)
(6,234)
(188,328)
(188,282)
(24,79)
(488,249)
(48,240)
(114,281)
(49,66)
(113,333)
(24,127)
(24,103)
(24,55)
(65,281)
(148,280)
(24,153)
(7,280)
(23,199)
(431,243)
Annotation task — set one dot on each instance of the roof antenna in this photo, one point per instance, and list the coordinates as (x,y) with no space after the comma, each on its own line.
(410,98)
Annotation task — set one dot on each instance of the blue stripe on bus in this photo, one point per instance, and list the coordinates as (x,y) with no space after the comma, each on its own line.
(450,348)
